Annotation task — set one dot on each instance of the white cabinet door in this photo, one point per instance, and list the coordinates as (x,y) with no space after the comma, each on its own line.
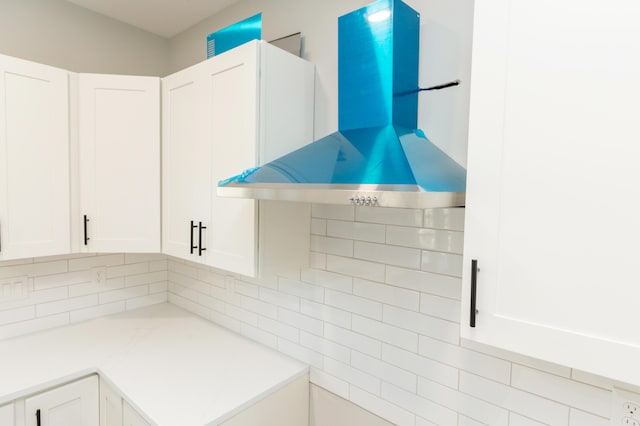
(552,195)
(110,406)
(75,404)
(34,159)
(220,117)
(186,165)
(232,82)
(119,156)
(6,415)
(131,416)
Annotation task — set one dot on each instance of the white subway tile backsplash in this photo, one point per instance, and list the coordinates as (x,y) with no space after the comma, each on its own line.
(159,287)
(17,315)
(123,294)
(427,239)
(279,329)
(384,371)
(442,263)
(424,422)
(143,257)
(330,245)
(33,325)
(440,307)
(71,304)
(124,270)
(331,211)
(356,231)
(356,377)
(465,359)
(146,278)
(91,287)
(421,366)
(326,313)
(424,282)
(38,269)
(376,316)
(385,333)
(422,407)
(318,226)
(97,311)
(574,394)
(381,407)
(452,218)
(241,315)
(389,216)
(300,321)
(327,279)
(422,324)
(518,420)
(391,295)
(158,265)
(151,299)
(300,289)
(386,254)
(351,303)
(465,404)
(580,418)
(101,260)
(258,335)
(353,340)
(280,299)
(262,308)
(306,355)
(325,347)
(317,260)
(356,268)
(524,403)
(58,280)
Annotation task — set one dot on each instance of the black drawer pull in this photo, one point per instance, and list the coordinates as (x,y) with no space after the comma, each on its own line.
(192,246)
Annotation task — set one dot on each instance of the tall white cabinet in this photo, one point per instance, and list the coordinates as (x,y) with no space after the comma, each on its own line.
(34,159)
(119,163)
(238,110)
(552,196)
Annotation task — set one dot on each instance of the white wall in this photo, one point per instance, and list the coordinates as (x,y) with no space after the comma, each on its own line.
(445,56)
(61,34)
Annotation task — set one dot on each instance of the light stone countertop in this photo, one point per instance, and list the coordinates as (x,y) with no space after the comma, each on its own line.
(172,366)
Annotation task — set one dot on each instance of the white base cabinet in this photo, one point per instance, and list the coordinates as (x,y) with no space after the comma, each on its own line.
(552,203)
(34,159)
(235,111)
(74,404)
(7,415)
(119,163)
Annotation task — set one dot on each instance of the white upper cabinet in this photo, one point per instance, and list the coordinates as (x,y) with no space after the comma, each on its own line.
(234,111)
(552,196)
(34,159)
(119,163)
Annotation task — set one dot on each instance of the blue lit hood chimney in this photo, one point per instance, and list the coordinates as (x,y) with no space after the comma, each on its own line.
(378,156)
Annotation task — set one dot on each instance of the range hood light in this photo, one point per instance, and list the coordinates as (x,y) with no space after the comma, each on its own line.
(380,16)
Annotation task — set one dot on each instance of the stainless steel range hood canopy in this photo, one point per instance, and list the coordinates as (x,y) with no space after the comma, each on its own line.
(377,157)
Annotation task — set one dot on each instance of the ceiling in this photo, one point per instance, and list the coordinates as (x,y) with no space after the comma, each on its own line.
(165,18)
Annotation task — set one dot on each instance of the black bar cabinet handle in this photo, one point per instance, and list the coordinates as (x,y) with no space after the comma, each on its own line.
(86,235)
(474,279)
(192,228)
(38,417)
(200,248)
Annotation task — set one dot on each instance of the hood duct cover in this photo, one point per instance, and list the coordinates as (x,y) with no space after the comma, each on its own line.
(377,157)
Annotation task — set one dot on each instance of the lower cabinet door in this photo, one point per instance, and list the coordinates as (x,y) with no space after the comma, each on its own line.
(131,417)
(75,404)
(6,415)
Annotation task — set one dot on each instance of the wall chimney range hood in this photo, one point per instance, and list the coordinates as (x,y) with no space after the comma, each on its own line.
(378,157)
